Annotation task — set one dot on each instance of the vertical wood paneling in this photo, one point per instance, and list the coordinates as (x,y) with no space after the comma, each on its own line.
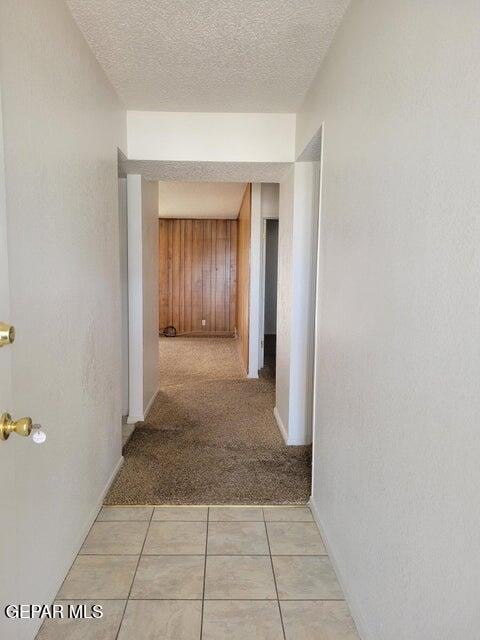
(181,279)
(220,277)
(207,274)
(233,277)
(163,273)
(176,273)
(197,275)
(188,276)
(210,303)
(243,276)
(170,272)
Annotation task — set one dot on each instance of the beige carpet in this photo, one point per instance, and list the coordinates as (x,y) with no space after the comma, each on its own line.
(210,436)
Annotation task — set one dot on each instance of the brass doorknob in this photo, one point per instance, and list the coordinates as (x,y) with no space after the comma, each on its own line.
(22,427)
(7,334)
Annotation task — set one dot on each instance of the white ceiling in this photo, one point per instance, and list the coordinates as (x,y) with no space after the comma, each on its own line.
(210,55)
(200,199)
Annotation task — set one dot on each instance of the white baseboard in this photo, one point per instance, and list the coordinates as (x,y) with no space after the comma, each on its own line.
(150,402)
(135,419)
(98,506)
(354,610)
(280,425)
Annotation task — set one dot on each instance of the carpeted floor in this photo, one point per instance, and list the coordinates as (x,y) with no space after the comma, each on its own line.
(210,436)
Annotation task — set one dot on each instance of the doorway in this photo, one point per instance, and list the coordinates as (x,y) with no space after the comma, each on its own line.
(270,253)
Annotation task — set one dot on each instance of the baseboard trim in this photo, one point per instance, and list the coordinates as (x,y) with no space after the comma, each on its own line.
(202,334)
(280,425)
(150,402)
(83,531)
(354,610)
(135,419)
(99,504)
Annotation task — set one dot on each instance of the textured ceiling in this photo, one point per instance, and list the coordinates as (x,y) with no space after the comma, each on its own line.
(200,199)
(209,55)
(204,171)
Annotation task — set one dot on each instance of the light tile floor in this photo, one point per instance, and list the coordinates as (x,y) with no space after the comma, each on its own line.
(204,573)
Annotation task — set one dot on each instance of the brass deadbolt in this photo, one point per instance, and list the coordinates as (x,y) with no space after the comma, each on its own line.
(22,427)
(7,334)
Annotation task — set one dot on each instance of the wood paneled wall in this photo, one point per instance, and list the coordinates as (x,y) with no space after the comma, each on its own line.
(243,276)
(197,279)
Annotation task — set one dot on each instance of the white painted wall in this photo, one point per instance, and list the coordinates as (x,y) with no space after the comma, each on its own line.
(397,444)
(136,406)
(143,295)
(270,195)
(269,206)
(150,292)
(264,204)
(123,230)
(271,267)
(297,249)
(304,268)
(256,230)
(214,137)
(62,125)
(284,301)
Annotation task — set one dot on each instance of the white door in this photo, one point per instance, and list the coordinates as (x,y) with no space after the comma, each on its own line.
(8,449)
(14,535)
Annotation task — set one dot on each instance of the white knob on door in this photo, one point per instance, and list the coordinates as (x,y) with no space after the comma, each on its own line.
(38,435)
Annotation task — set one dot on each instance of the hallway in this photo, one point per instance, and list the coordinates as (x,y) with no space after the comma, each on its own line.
(186,573)
(210,435)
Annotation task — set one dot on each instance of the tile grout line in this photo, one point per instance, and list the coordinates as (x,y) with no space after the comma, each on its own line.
(204,574)
(134,575)
(145,599)
(274,577)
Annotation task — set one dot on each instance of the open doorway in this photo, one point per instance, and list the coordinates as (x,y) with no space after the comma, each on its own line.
(270,253)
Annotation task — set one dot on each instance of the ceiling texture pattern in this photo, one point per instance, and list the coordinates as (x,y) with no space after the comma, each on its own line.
(210,55)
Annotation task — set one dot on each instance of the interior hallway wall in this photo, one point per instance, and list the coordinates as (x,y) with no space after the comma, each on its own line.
(284,301)
(269,195)
(271,262)
(243,277)
(62,125)
(143,261)
(297,266)
(397,444)
(123,227)
(197,275)
(150,260)
(211,137)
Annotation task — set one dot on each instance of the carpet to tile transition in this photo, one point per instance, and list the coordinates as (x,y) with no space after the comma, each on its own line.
(210,436)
